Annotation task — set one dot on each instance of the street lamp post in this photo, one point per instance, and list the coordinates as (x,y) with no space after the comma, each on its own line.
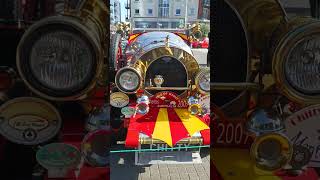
(186,15)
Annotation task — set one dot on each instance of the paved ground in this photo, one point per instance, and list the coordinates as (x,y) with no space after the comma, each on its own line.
(123,168)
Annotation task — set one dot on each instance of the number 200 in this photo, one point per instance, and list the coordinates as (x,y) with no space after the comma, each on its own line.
(231,134)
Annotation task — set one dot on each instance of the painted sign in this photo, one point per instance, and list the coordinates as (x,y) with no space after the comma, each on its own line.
(58,155)
(167,99)
(303,128)
(119,99)
(230,134)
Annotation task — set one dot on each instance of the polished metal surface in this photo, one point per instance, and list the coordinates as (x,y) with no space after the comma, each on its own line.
(152,46)
(295,75)
(263,121)
(191,141)
(271,151)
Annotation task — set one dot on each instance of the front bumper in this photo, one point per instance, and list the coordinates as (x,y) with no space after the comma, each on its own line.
(169,126)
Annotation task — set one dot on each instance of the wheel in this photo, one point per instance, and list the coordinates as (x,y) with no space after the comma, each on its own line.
(115,51)
(230,52)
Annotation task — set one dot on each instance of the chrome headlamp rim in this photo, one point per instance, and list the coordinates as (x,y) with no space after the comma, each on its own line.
(286,146)
(94,160)
(117,77)
(67,24)
(280,56)
(202,72)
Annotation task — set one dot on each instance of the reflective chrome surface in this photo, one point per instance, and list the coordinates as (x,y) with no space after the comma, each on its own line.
(271,151)
(262,121)
(99,119)
(143,104)
(153,46)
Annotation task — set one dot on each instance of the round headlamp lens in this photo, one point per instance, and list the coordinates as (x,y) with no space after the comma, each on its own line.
(203,80)
(129,80)
(61,60)
(302,66)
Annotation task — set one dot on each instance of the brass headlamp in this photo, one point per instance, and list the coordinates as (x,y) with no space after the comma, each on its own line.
(296,59)
(62,57)
(194,106)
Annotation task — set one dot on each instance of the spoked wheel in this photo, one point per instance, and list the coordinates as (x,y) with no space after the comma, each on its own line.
(230,62)
(115,51)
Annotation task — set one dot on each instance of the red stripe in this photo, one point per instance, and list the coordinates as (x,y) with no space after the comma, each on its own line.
(309,174)
(178,131)
(205,136)
(148,121)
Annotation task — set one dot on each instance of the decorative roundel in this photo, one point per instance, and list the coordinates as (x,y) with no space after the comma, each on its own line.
(29,121)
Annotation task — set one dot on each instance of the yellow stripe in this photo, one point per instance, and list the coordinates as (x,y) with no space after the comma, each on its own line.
(192,123)
(239,163)
(162,127)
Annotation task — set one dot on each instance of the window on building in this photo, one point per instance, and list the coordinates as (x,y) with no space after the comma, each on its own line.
(178,12)
(163,8)
(150,11)
(192,12)
(136,11)
(206,13)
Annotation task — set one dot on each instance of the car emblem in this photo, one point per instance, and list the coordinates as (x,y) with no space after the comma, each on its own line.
(58,158)
(29,121)
(119,99)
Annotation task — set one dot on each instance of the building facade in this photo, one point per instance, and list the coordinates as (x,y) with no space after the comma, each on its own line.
(115,11)
(173,14)
(204,10)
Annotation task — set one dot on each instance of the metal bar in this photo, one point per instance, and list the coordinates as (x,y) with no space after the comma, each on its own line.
(193,140)
(235,86)
(160,149)
(167,88)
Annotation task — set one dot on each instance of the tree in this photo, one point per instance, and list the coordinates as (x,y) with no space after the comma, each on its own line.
(205,29)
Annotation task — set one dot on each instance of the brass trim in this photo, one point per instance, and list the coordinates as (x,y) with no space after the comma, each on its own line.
(298,30)
(167,88)
(132,69)
(286,147)
(235,86)
(192,140)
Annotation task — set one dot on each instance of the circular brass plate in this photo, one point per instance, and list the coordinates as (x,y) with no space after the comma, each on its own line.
(29,121)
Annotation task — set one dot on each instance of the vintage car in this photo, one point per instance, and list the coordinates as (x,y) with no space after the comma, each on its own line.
(53,72)
(265,91)
(162,93)
(204,43)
